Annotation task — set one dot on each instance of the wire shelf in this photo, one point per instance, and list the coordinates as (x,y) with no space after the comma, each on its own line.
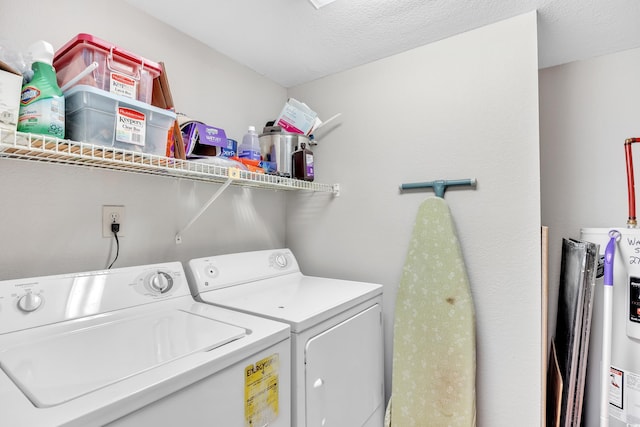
(25,146)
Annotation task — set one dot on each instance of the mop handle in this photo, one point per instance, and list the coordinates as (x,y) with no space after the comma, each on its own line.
(609,255)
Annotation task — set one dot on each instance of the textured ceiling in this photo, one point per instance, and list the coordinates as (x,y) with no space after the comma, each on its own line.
(291,42)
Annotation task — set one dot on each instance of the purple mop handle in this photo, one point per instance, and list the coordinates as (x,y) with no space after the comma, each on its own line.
(609,254)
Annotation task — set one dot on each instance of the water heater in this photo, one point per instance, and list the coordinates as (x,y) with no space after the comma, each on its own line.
(623,383)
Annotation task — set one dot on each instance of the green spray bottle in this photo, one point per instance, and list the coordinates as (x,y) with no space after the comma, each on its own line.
(42,101)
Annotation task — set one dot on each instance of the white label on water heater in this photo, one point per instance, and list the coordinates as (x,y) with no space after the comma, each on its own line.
(628,395)
(616,384)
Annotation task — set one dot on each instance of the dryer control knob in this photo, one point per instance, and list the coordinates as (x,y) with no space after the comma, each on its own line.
(280,261)
(211,271)
(160,282)
(29,302)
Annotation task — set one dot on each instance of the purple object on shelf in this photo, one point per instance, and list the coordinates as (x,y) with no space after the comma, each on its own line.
(203,140)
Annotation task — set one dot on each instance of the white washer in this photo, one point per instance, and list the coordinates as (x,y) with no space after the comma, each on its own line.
(130,347)
(336,331)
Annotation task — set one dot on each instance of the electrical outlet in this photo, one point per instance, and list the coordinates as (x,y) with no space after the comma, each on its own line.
(111,214)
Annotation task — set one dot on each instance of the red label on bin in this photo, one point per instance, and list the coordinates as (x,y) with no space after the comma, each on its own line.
(131,114)
(123,79)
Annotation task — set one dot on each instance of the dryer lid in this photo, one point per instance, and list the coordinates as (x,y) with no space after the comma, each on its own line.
(299,300)
(66,365)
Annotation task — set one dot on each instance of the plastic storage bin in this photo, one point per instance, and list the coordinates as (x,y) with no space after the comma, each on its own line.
(102,118)
(119,72)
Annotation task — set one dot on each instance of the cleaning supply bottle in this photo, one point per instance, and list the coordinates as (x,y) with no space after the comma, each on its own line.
(303,163)
(250,145)
(41,100)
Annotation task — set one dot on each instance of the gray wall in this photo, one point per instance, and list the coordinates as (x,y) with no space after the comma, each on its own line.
(460,108)
(52,214)
(587,110)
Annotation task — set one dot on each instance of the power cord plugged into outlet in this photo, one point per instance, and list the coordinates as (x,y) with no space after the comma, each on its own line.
(115,228)
(113,221)
(111,215)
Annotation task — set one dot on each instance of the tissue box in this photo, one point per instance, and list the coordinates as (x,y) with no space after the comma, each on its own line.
(10,88)
(204,140)
(296,117)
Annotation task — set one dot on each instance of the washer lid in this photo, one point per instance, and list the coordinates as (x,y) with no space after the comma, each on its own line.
(74,362)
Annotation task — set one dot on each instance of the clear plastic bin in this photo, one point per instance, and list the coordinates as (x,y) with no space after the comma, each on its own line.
(118,71)
(102,118)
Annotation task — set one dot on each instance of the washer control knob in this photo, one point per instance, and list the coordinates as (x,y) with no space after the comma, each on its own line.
(29,302)
(160,282)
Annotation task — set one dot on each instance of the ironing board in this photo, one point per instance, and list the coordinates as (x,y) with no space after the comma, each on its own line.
(434,367)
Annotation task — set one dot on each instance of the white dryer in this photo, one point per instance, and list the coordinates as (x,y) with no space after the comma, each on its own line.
(336,331)
(130,347)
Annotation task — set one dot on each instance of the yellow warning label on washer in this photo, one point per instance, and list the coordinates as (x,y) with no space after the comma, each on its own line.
(261,392)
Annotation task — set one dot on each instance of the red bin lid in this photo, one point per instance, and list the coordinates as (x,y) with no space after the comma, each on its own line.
(95,41)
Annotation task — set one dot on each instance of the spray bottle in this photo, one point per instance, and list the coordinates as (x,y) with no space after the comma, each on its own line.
(42,102)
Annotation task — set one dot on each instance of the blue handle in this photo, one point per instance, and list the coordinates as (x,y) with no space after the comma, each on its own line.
(440,185)
(609,255)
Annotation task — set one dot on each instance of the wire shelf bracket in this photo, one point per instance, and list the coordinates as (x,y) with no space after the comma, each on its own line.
(203,209)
